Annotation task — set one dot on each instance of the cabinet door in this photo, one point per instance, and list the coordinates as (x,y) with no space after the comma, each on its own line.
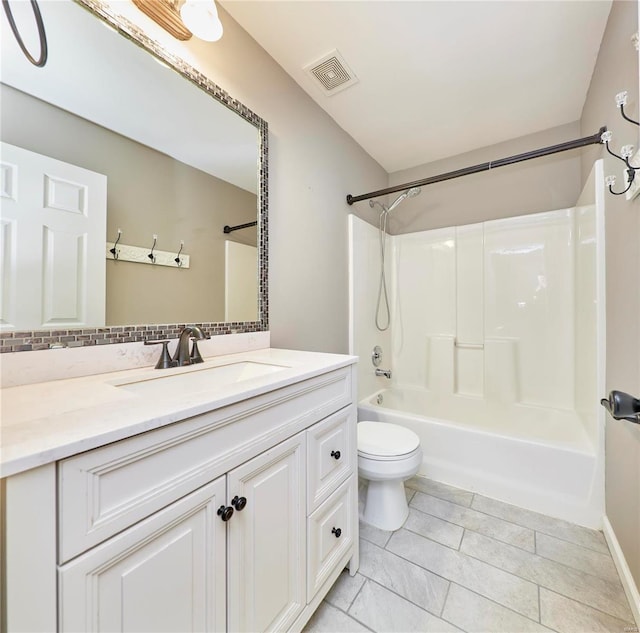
(167,573)
(266,552)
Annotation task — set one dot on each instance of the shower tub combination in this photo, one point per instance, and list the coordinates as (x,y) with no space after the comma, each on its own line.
(533,457)
(495,347)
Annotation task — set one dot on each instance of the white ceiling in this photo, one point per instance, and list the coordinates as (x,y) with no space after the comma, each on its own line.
(437,78)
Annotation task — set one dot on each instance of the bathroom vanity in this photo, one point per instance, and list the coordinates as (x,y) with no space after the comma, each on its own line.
(215,497)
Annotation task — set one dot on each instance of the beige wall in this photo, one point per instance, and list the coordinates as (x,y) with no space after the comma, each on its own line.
(616,70)
(313,165)
(148,193)
(542,184)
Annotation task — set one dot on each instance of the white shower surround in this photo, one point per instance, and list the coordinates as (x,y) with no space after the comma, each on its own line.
(497,348)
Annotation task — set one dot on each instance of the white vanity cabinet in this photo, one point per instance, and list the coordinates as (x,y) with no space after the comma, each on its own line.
(170,573)
(237,519)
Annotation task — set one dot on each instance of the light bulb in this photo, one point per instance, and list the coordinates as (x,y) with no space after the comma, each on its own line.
(626,151)
(621,99)
(610,181)
(201,18)
(606,136)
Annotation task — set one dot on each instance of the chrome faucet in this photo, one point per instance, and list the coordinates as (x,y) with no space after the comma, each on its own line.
(383,372)
(182,355)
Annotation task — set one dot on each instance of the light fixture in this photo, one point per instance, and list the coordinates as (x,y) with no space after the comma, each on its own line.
(201,18)
(182,19)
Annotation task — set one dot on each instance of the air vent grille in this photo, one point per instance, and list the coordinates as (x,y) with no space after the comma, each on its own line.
(332,73)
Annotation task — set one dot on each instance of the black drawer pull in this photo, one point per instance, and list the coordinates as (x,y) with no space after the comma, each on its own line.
(225,512)
(239,503)
(337,532)
(335,454)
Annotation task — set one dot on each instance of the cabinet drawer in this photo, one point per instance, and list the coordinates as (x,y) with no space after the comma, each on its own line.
(330,534)
(330,455)
(106,490)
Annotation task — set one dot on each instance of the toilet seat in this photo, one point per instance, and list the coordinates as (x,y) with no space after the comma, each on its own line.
(383,441)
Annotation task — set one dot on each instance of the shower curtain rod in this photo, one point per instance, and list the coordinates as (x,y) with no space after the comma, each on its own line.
(229,229)
(536,153)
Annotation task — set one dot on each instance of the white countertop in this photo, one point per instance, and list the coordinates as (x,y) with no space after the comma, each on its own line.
(47,421)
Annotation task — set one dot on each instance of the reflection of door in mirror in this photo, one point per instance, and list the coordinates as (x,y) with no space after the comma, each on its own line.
(53,222)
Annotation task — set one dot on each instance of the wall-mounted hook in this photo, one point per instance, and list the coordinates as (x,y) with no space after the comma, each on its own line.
(625,154)
(151,256)
(114,251)
(177,260)
(621,101)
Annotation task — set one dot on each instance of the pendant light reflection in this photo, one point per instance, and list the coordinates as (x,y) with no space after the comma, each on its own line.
(201,18)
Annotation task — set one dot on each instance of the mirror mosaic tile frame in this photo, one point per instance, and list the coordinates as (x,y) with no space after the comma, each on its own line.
(22,341)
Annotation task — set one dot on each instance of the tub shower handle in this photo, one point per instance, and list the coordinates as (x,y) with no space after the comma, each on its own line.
(337,532)
(335,454)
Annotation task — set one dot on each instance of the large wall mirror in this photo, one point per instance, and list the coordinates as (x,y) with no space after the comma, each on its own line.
(121,168)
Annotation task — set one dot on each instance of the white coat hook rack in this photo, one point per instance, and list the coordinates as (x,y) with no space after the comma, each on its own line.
(142,255)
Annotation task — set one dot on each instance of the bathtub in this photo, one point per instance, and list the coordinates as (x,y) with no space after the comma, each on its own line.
(534,457)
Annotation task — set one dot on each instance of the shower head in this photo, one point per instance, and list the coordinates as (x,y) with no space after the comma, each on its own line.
(409,193)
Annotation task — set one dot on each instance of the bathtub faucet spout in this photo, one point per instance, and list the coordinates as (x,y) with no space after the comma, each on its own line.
(384,372)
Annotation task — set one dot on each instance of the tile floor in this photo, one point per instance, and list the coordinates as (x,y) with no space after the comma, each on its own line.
(464,562)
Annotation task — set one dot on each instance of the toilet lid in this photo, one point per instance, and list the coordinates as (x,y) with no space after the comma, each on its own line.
(384,439)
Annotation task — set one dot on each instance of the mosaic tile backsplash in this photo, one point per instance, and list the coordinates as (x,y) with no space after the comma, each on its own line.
(48,339)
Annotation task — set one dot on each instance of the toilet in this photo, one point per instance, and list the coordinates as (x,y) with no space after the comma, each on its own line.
(388,454)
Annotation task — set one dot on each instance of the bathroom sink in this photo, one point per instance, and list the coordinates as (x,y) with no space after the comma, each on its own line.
(199,380)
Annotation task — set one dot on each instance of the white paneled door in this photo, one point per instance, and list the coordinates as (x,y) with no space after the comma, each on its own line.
(52,236)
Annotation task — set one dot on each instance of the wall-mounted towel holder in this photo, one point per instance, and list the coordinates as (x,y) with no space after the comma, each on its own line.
(141,255)
(622,406)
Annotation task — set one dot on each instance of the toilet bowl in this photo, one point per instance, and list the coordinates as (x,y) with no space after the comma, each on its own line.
(388,454)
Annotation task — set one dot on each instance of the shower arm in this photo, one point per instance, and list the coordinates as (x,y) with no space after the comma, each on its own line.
(595,139)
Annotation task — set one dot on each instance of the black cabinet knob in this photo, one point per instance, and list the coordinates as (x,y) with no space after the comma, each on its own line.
(225,512)
(337,532)
(335,454)
(239,503)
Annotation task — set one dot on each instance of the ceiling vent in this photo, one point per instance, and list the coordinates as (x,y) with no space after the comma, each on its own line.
(332,73)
